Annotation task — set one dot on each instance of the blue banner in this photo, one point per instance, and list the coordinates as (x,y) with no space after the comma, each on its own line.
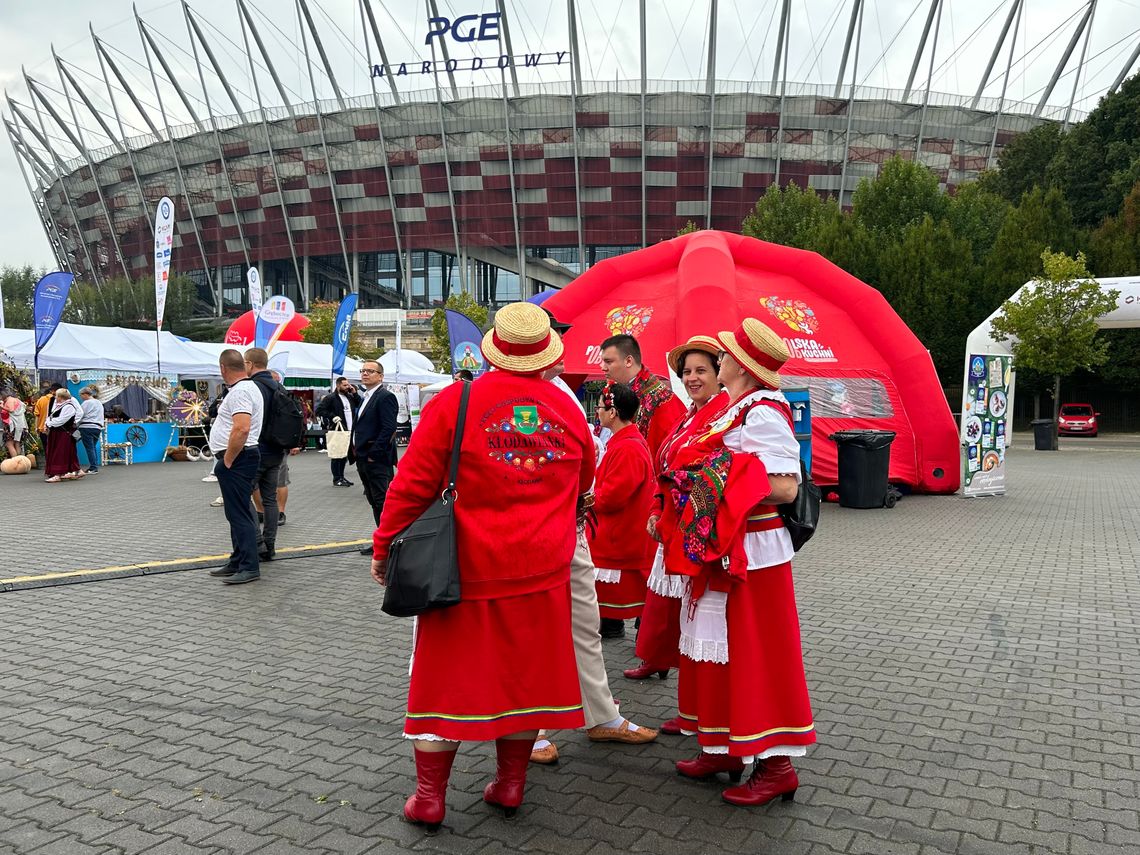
(464,339)
(274,315)
(47,305)
(342,330)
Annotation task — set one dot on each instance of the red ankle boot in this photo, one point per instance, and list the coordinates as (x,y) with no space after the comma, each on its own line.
(673,726)
(426,806)
(706,765)
(506,790)
(770,778)
(644,671)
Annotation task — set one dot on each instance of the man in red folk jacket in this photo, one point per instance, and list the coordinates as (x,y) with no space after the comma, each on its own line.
(623,496)
(658,412)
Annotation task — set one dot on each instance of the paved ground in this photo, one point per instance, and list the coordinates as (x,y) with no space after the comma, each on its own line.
(974,666)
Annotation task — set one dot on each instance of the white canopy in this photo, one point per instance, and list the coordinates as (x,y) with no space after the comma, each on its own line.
(78,347)
(413,368)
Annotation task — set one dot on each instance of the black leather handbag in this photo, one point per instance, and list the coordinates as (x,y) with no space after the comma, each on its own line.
(423,568)
(801,515)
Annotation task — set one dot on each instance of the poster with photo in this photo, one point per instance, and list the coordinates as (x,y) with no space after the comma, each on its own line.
(985,429)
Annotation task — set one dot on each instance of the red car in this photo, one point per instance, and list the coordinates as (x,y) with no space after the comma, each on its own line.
(1077,420)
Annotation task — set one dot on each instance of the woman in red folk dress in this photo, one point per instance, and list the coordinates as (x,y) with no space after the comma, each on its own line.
(742,687)
(695,363)
(500,664)
(623,496)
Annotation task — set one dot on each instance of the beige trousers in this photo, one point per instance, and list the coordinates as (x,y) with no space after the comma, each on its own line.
(597,702)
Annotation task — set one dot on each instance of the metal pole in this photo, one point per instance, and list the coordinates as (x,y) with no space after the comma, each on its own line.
(303,6)
(1124,71)
(269,144)
(106,57)
(929,80)
(785,11)
(520,249)
(52,232)
(783,92)
(248,21)
(934,6)
(710,85)
(1080,67)
(371,18)
(851,106)
(644,141)
(847,46)
(575,86)
(502,7)
(1004,86)
(433,12)
(1013,10)
(171,79)
(192,23)
(1064,60)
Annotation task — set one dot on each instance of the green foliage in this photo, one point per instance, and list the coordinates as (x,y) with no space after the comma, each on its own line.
(18,285)
(1052,325)
(440,347)
(688,228)
(1023,163)
(119,303)
(322,319)
(792,217)
(976,215)
(1042,220)
(903,193)
(1115,246)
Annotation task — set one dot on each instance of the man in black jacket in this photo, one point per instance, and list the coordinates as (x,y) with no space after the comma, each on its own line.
(373,438)
(342,404)
(257,366)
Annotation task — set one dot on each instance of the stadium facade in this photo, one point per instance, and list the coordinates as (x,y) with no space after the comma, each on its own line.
(406,194)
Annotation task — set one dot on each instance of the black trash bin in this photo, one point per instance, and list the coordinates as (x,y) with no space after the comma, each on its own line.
(1043,433)
(864,465)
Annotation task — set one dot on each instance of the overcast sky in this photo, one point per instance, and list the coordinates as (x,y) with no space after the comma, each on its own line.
(678,44)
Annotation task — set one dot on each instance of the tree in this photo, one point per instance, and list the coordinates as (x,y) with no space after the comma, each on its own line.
(440,345)
(975,214)
(902,193)
(688,228)
(119,303)
(1041,221)
(1115,246)
(1052,326)
(18,285)
(791,216)
(322,319)
(1023,164)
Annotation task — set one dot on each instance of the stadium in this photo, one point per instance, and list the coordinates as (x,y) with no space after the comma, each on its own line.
(502,148)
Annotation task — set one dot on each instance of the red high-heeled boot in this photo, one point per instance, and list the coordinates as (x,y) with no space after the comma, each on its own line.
(705,765)
(772,777)
(426,806)
(506,790)
(644,671)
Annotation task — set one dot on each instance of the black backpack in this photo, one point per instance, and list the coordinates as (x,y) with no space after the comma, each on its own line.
(283,424)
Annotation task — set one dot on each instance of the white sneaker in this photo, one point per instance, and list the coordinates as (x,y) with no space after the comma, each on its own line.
(209,479)
(218,502)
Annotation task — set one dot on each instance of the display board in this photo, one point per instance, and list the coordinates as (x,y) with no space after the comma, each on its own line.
(985,424)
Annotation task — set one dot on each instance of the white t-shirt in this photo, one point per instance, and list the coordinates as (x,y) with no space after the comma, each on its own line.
(346,406)
(243,397)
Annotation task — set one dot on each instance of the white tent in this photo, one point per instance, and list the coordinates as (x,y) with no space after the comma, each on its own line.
(413,367)
(78,347)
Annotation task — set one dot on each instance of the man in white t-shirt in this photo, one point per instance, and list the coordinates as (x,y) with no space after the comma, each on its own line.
(233,439)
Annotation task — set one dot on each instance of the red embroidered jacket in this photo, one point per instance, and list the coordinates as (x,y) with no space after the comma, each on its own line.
(526,457)
(623,493)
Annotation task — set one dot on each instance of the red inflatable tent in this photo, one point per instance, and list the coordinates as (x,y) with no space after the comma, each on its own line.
(863,367)
(241,331)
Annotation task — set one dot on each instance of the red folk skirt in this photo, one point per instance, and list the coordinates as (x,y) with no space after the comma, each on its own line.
(623,599)
(489,668)
(660,632)
(61,456)
(758,700)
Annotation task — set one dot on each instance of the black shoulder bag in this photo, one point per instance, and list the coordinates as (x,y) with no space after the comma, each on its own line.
(423,568)
(801,514)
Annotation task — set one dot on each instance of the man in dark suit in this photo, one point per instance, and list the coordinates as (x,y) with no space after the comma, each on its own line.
(373,438)
(342,404)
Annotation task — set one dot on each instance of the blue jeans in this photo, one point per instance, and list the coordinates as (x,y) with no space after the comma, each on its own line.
(236,484)
(90,437)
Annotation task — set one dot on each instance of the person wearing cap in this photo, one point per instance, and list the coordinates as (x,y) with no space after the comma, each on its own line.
(500,664)
(695,364)
(659,410)
(741,689)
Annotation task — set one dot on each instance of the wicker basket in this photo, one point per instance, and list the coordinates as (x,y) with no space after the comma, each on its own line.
(177,452)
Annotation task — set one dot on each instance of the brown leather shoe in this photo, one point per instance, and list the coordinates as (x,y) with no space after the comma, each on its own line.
(622,734)
(547,756)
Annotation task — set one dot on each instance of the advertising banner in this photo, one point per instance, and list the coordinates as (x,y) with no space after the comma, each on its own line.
(276,312)
(254,280)
(163,245)
(985,424)
(464,340)
(47,306)
(342,331)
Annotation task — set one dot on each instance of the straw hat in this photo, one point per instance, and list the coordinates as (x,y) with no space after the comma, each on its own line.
(703,343)
(758,350)
(522,341)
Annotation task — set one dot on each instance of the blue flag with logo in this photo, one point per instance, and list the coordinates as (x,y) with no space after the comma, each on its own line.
(50,298)
(464,339)
(342,330)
